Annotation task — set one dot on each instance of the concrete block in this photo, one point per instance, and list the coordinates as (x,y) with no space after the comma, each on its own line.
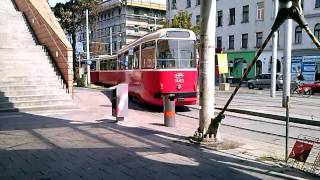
(224,87)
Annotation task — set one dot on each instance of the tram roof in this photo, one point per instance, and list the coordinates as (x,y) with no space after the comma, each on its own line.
(106,56)
(159,34)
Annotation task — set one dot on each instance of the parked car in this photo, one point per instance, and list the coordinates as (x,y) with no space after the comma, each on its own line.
(264,81)
(311,87)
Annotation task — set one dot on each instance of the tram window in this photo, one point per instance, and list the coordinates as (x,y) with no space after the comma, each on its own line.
(167,53)
(125,64)
(130,61)
(118,62)
(136,57)
(148,55)
(175,54)
(187,54)
(113,64)
(103,65)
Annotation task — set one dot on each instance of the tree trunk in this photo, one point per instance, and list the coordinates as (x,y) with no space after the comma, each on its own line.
(207,68)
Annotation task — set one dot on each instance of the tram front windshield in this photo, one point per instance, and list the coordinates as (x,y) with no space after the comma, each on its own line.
(175,54)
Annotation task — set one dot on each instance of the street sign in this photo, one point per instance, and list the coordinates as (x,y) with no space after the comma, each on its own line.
(79,47)
(89,62)
(300,151)
(223,63)
(131,52)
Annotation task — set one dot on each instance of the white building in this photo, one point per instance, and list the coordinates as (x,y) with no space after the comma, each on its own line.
(119,24)
(242,25)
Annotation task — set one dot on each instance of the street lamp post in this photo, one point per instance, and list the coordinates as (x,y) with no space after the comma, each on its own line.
(88,51)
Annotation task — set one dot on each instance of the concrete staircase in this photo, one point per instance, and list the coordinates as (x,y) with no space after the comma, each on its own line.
(28,80)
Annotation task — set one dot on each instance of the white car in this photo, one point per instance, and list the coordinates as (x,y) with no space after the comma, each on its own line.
(264,81)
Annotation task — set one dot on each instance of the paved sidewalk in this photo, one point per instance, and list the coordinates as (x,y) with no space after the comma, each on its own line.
(87,144)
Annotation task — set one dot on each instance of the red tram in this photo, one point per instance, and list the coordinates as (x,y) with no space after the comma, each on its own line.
(160,63)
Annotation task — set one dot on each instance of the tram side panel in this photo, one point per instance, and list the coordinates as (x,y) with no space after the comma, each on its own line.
(181,84)
(94,77)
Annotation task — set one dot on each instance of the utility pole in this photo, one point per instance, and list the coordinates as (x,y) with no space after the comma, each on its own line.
(207,66)
(287,57)
(155,22)
(111,47)
(88,50)
(274,54)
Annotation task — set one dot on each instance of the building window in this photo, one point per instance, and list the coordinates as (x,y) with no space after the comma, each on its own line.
(220,18)
(136,28)
(259,36)
(298,35)
(198,3)
(174,4)
(231,42)
(232,18)
(219,42)
(317,5)
(258,67)
(317,31)
(244,44)
(198,19)
(245,14)
(260,11)
(188,3)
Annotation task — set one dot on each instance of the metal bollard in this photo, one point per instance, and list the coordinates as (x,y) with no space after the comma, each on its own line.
(169,110)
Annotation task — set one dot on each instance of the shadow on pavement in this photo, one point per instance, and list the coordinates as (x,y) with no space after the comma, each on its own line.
(39,147)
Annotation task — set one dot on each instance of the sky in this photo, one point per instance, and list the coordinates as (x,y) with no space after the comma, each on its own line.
(53,2)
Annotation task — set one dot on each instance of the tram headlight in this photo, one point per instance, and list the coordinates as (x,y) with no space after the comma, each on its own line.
(179,87)
(161,86)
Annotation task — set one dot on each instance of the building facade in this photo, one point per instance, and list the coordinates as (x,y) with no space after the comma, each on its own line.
(242,26)
(118,24)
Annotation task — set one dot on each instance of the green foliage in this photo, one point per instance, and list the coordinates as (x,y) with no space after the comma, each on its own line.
(181,20)
(71,15)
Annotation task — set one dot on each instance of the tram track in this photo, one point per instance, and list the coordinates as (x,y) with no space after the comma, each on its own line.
(269,122)
(247,124)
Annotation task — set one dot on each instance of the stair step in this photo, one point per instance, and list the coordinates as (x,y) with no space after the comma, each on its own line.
(26,59)
(28,78)
(25,104)
(20,54)
(33,92)
(7,6)
(35,48)
(9,68)
(34,72)
(6,36)
(18,45)
(30,83)
(9,16)
(43,78)
(28,87)
(40,108)
(37,97)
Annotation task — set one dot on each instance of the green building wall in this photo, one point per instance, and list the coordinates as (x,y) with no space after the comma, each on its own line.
(240,58)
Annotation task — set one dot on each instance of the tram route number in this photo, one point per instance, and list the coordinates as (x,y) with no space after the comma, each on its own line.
(179,78)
